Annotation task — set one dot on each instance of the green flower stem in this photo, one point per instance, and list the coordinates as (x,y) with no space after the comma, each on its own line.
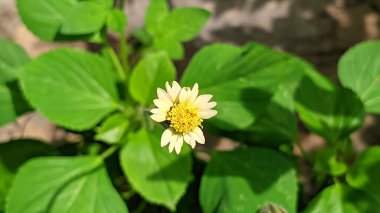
(127,195)
(120,71)
(108,152)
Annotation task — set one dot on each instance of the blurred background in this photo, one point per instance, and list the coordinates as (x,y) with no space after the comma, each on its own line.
(319,31)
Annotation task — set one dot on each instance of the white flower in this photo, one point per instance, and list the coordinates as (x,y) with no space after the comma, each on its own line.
(184,111)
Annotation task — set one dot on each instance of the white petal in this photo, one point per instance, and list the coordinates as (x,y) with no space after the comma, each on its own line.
(157,111)
(172,143)
(194,93)
(202,99)
(189,140)
(178,145)
(166,137)
(163,105)
(158,117)
(207,114)
(184,95)
(173,91)
(207,106)
(197,134)
(161,94)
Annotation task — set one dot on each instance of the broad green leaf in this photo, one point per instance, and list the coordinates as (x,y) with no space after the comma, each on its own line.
(149,74)
(244,180)
(117,21)
(72,88)
(242,81)
(157,11)
(12,155)
(158,176)
(339,198)
(64,184)
(365,172)
(327,109)
(12,56)
(44,17)
(171,46)
(359,70)
(278,125)
(326,162)
(183,24)
(85,18)
(112,129)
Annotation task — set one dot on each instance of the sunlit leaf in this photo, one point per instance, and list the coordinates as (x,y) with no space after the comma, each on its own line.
(158,176)
(72,88)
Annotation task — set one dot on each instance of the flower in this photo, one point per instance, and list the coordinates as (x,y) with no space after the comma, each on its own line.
(184,111)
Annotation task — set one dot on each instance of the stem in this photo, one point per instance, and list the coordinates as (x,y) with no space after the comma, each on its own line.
(108,152)
(116,63)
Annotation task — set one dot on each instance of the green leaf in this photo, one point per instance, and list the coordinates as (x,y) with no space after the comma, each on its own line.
(12,57)
(72,88)
(117,21)
(365,172)
(244,180)
(339,198)
(157,11)
(158,176)
(326,162)
(86,17)
(12,102)
(12,155)
(64,184)
(171,46)
(242,81)
(326,109)
(44,17)
(278,124)
(112,129)
(149,74)
(177,24)
(359,70)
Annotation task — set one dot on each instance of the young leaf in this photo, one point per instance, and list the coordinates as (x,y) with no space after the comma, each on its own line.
(117,21)
(244,180)
(12,57)
(157,11)
(151,72)
(359,70)
(242,80)
(177,24)
(44,18)
(112,129)
(12,155)
(326,162)
(326,109)
(339,198)
(365,172)
(64,184)
(85,18)
(158,176)
(174,48)
(72,88)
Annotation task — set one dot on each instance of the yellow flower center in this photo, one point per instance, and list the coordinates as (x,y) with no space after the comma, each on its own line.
(184,118)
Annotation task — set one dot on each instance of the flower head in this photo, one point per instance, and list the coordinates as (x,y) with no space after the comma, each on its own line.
(184,111)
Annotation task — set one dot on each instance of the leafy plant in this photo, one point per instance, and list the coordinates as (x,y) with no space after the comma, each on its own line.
(252,94)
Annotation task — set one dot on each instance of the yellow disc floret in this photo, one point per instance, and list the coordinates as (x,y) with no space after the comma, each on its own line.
(184,118)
